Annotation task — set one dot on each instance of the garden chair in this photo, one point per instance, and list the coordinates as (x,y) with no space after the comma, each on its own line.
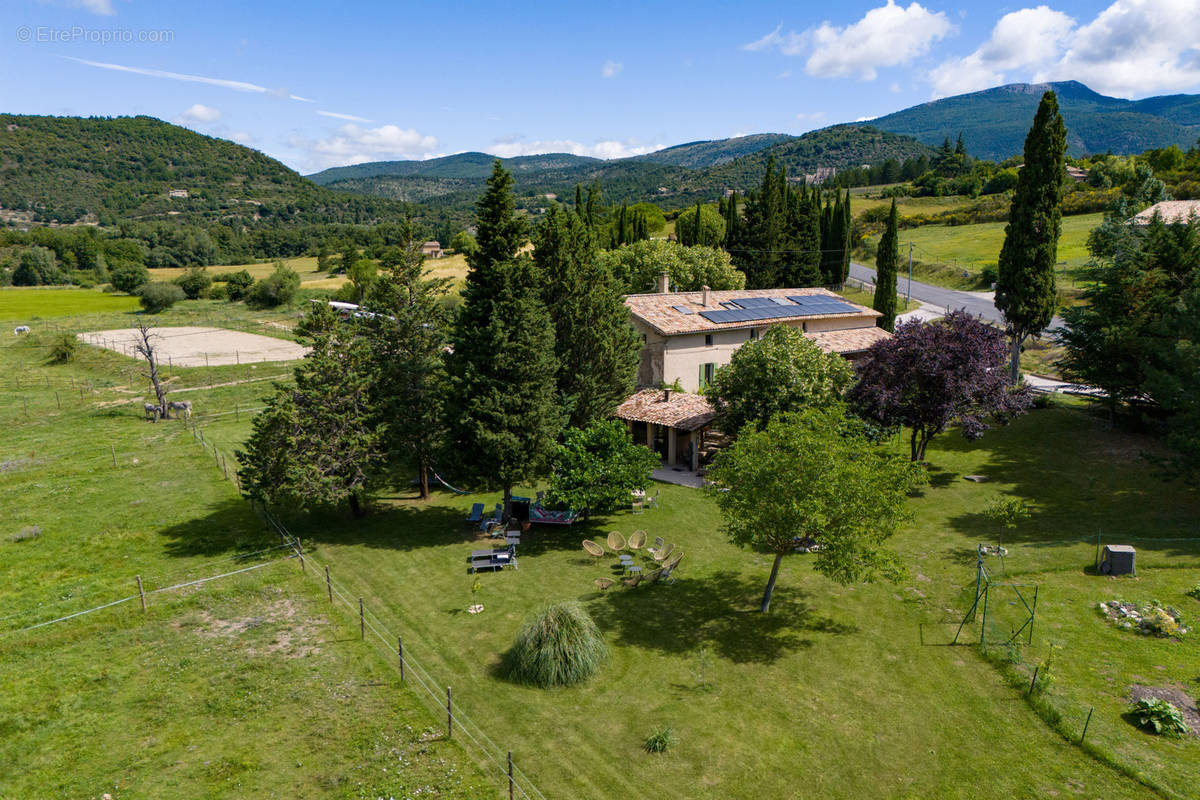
(668,569)
(652,500)
(603,584)
(632,582)
(637,540)
(661,555)
(616,541)
(654,576)
(658,545)
(592,548)
(476,514)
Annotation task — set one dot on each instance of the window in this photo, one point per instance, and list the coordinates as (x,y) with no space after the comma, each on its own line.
(753,334)
(804,326)
(708,340)
(707,371)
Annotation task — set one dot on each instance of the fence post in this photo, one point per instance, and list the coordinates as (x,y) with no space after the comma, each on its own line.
(362,621)
(57,401)
(449,716)
(141,592)
(1033,682)
(1087,722)
(400,652)
(510,776)
(328,583)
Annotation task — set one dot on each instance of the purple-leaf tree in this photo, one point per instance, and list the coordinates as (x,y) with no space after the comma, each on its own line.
(930,376)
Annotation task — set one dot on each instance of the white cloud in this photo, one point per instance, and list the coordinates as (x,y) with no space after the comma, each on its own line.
(102,7)
(1023,38)
(1132,48)
(1135,47)
(610,148)
(242,137)
(198,114)
(611,68)
(884,37)
(354,144)
(811,116)
(349,117)
(237,86)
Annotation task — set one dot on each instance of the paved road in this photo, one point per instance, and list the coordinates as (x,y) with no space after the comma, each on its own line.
(974,304)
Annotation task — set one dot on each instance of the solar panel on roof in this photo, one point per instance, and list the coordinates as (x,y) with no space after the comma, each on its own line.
(819,304)
(683,309)
(753,302)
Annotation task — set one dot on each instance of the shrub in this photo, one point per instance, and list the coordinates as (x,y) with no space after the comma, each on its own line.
(159,296)
(559,646)
(1194,592)
(989,275)
(218,291)
(1159,717)
(37,267)
(195,282)
(63,348)
(277,289)
(238,284)
(129,277)
(660,741)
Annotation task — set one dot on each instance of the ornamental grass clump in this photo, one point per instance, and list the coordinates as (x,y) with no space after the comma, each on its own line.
(560,646)
(1160,717)
(660,741)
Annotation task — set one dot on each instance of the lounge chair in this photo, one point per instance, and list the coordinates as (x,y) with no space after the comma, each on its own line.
(659,544)
(476,514)
(632,582)
(592,548)
(616,541)
(603,583)
(637,540)
(654,576)
(670,568)
(661,554)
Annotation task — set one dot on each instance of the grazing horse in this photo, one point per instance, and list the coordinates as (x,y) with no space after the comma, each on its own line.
(152,411)
(181,405)
(17,331)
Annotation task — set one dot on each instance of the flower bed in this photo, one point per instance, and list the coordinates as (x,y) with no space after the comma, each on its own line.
(1149,619)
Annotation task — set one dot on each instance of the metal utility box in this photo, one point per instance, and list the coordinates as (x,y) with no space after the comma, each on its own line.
(1118,559)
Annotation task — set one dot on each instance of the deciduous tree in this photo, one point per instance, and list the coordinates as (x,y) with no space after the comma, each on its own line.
(930,376)
(596,468)
(814,476)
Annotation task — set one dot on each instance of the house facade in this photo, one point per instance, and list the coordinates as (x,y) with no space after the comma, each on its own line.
(688,336)
(432,249)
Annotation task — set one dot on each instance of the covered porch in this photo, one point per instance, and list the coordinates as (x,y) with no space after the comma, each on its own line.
(670,423)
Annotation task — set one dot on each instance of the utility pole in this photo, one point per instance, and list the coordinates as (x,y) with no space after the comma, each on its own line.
(908,298)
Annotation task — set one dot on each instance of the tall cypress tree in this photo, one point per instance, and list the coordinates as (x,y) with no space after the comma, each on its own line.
(847,229)
(1025,291)
(579,201)
(731,220)
(887,261)
(597,348)
(762,234)
(501,410)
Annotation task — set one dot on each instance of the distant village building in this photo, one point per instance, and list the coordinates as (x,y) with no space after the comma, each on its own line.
(1171,211)
(1078,174)
(728,193)
(822,175)
(432,249)
(181,193)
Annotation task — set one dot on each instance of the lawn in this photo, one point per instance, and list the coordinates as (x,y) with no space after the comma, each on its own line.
(28,304)
(249,686)
(838,692)
(941,253)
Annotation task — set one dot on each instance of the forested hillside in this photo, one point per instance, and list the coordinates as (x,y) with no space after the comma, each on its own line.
(993,123)
(71,169)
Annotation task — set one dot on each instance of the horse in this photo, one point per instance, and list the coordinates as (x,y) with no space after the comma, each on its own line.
(152,411)
(181,405)
(17,331)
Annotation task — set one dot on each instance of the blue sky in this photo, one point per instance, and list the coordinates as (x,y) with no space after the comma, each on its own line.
(320,84)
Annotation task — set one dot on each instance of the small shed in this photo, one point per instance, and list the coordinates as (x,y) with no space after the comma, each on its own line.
(1118,559)
(432,249)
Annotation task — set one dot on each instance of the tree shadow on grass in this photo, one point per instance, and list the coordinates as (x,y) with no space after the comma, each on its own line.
(720,610)
(228,527)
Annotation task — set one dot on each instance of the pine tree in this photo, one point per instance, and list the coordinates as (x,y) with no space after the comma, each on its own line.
(731,220)
(696,239)
(1025,291)
(596,347)
(407,335)
(501,410)
(579,201)
(887,260)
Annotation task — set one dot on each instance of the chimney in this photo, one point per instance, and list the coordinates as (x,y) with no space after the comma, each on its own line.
(705,301)
(664,283)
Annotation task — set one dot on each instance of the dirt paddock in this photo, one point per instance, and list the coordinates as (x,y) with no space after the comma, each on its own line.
(186,346)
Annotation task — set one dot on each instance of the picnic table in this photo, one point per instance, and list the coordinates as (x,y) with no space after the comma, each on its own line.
(493,558)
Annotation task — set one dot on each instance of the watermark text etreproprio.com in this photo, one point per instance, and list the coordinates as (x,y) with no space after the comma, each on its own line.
(47,34)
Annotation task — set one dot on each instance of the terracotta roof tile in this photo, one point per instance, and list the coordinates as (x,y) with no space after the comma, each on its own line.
(684,411)
(657,310)
(1171,211)
(848,340)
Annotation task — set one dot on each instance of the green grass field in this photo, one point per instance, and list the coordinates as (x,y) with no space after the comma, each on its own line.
(26,304)
(838,692)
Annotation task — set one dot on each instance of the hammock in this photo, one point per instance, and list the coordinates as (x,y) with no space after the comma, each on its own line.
(442,481)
